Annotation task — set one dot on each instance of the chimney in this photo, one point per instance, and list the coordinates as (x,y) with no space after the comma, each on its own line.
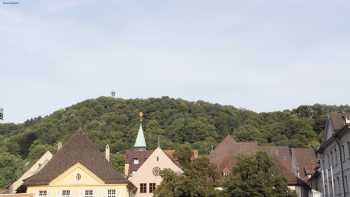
(126,169)
(107,153)
(346,119)
(59,146)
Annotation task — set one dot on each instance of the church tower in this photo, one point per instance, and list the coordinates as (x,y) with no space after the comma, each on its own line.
(140,143)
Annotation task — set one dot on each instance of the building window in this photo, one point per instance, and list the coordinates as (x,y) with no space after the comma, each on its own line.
(332,159)
(89,193)
(66,193)
(143,188)
(348,143)
(328,160)
(336,157)
(152,187)
(323,164)
(111,193)
(136,161)
(42,193)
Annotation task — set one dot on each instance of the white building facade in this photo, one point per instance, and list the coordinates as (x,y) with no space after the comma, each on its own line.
(335,156)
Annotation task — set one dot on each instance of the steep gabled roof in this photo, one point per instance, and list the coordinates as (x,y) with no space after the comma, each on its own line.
(36,167)
(78,149)
(306,160)
(229,148)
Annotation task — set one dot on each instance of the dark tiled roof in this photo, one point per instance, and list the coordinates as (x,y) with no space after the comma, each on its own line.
(225,157)
(140,155)
(306,161)
(78,149)
(338,119)
(225,153)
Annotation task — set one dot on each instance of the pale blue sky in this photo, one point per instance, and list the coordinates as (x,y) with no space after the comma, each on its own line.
(263,55)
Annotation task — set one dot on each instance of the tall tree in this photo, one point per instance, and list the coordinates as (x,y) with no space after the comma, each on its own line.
(256,176)
(198,179)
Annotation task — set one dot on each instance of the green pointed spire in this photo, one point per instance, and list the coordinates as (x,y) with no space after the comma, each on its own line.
(140,139)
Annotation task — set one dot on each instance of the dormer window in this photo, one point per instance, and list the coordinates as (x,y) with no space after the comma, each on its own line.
(78,177)
(136,161)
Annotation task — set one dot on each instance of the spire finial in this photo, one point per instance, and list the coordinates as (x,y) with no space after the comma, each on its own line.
(141,116)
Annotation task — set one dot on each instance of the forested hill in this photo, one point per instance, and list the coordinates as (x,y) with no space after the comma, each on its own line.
(201,124)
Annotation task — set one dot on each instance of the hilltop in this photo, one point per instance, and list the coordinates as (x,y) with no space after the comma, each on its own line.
(114,121)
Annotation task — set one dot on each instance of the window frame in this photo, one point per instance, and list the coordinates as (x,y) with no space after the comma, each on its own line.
(111,193)
(348,143)
(66,193)
(41,193)
(152,187)
(88,193)
(143,188)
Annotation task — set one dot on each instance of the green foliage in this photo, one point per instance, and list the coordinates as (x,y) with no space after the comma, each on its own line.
(118,161)
(201,125)
(10,167)
(183,154)
(256,176)
(198,180)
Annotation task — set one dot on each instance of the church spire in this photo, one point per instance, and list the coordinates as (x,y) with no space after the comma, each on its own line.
(140,142)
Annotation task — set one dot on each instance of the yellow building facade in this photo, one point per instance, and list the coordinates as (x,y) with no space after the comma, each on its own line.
(79,170)
(79,181)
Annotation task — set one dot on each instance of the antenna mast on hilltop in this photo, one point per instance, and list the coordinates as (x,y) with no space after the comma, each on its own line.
(113,93)
(1,114)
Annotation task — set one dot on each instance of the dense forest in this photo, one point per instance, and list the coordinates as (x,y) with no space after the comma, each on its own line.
(115,121)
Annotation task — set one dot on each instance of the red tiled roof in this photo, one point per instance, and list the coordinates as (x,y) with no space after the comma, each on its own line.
(142,155)
(306,161)
(225,157)
(229,149)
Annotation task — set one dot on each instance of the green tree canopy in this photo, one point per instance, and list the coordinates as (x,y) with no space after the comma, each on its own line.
(256,176)
(198,179)
(199,124)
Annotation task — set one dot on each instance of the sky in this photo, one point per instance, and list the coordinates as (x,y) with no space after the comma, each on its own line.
(262,55)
